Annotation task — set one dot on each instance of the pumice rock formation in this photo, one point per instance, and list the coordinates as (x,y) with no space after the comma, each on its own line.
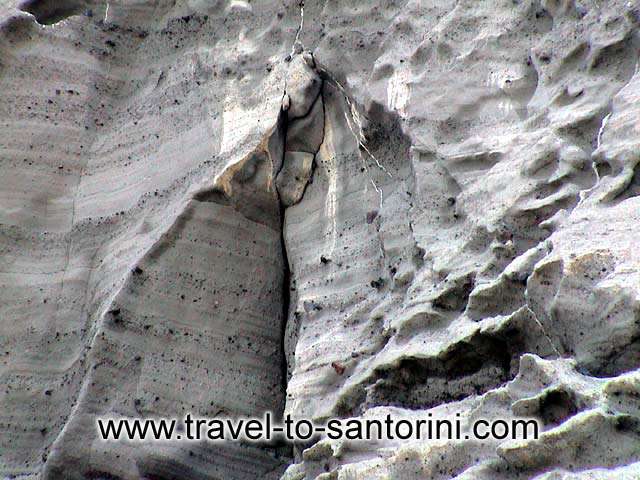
(304,109)
(336,209)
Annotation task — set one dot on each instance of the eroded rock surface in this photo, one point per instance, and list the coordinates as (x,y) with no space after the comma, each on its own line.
(342,209)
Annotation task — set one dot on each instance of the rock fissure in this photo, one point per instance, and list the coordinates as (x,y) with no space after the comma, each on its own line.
(375,242)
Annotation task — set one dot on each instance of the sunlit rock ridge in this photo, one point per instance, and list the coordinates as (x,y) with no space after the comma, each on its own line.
(342,208)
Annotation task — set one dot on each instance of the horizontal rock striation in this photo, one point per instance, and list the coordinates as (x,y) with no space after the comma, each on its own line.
(330,209)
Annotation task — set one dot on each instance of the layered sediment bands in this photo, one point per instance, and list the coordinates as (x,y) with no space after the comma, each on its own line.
(440,197)
(124,118)
(334,293)
(195,328)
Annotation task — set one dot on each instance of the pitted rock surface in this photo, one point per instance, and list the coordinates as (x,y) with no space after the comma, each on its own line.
(208,205)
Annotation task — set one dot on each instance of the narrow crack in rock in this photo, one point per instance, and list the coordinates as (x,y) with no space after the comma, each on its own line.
(435,213)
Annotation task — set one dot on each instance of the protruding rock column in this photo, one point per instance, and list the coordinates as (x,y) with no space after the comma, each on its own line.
(305,128)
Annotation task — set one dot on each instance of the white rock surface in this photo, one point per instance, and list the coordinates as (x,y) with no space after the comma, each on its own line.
(438,197)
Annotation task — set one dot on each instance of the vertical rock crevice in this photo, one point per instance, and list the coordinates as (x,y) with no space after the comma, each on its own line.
(229,298)
(303,114)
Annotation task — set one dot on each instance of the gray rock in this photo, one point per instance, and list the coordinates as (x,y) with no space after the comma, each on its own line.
(294,176)
(169,186)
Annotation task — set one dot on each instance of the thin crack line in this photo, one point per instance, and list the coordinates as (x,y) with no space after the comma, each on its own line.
(601,131)
(359,136)
(544,332)
(355,118)
(299,31)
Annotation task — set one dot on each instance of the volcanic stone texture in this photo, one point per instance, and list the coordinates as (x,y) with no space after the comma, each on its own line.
(447,217)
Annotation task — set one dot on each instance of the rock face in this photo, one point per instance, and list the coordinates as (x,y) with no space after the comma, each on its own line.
(342,209)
